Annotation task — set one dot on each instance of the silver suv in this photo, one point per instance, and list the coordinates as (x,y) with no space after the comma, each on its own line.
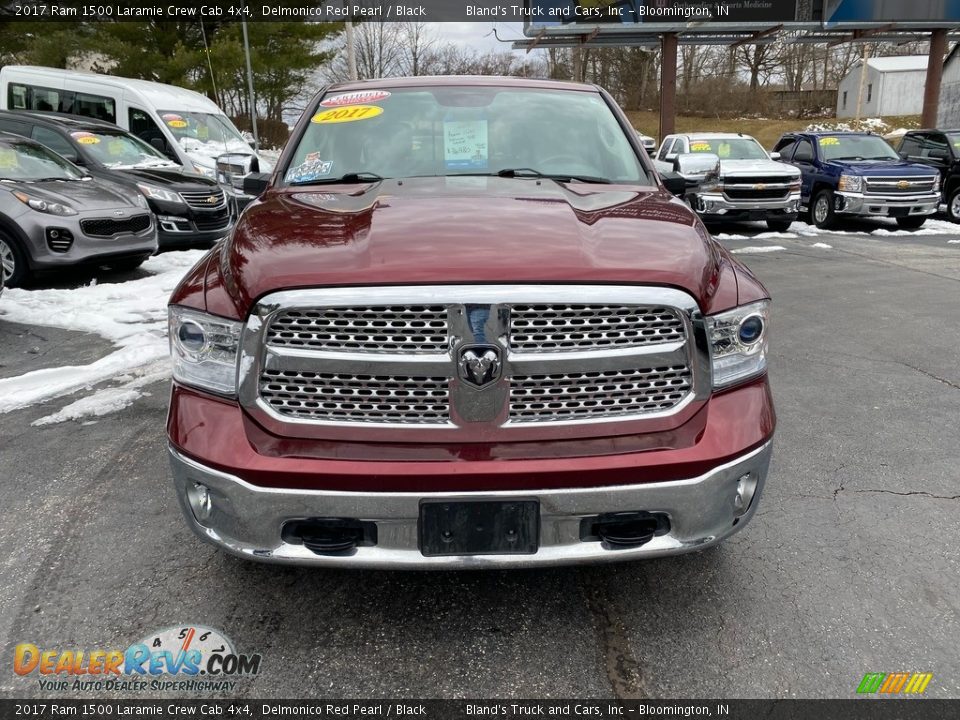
(746,183)
(53,215)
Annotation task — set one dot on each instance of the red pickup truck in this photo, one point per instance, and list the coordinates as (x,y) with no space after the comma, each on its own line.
(466,325)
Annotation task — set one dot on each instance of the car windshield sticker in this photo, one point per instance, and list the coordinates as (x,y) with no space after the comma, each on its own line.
(465,144)
(312,168)
(174,121)
(85,138)
(829,141)
(116,146)
(355,98)
(700,146)
(347,114)
(723,150)
(8,158)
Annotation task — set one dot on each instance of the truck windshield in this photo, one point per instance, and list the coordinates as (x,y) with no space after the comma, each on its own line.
(456,131)
(26,162)
(118,150)
(730,148)
(856,147)
(205,134)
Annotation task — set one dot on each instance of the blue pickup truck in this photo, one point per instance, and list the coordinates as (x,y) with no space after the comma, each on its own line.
(858,174)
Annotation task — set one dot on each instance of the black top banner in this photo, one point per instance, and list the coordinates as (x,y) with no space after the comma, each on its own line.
(529,11)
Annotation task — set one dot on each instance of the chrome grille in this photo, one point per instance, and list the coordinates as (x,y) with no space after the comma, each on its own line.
(418,329)
(356,398)
(373,363)
(562,328)
(213,199)
(597,395)
(916,185)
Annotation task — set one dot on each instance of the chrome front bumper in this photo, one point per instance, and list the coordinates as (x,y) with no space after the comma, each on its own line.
(246,520)
(720,204)
(860,204)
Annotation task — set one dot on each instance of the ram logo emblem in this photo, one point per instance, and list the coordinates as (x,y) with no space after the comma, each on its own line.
(479,365)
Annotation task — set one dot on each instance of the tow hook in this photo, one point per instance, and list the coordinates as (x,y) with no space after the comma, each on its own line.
(618,531)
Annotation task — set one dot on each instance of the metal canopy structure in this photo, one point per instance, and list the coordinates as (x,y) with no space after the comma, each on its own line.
(669,23)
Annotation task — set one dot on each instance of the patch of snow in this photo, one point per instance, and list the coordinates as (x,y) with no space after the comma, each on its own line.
(102,402)
(822,245)
(758,249)
(131,314)
(953,242)
(759,236)
(930,227)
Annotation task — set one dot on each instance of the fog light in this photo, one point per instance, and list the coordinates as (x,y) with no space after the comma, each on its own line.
(746,487)
(200,500)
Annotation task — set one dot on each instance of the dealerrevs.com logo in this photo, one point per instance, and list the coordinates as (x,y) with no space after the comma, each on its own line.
(182,658)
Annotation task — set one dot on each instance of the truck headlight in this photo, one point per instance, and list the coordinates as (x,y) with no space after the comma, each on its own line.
(204,350)
(158,193)
(738,343)
(851,183)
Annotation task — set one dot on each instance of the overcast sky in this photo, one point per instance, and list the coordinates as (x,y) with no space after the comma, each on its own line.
(479,35)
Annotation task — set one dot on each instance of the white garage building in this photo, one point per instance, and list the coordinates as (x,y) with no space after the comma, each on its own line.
(948,113)
(893,86)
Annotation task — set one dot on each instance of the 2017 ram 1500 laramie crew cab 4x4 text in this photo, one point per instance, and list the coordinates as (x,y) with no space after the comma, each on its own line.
(466,325)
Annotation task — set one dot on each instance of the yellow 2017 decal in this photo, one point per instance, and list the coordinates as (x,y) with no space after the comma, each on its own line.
(177,123)
(700,147)
(347,114)
(88,140)
(829,141)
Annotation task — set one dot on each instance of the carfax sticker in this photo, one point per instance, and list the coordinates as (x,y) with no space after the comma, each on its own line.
(829,141)
(355,98)
(347,114)
(85,138)
(311,168)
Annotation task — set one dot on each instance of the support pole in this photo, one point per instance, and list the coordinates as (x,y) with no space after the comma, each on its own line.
(351,51)
(252,98)
(668,84)
(931,89)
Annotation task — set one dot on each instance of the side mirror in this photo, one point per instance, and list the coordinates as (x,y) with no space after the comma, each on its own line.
(255,183)
(670,157)
(675,183)
(700,166)
(774,155)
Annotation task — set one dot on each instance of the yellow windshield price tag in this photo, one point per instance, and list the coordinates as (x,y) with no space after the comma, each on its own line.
(177,123)
(116,147)
(829,141)
(8,158)
(700,147)
(88,140)
(347,114)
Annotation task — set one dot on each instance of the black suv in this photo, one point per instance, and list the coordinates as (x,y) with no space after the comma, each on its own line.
(939,149)
(191,209)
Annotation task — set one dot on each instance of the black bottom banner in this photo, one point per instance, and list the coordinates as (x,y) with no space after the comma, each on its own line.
(860,709)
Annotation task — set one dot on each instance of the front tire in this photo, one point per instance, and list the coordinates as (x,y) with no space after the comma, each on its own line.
(953,205)
(13,263)
(821,211)
(912,222)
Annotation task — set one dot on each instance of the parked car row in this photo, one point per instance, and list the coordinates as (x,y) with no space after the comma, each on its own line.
(821,176)
(104,170)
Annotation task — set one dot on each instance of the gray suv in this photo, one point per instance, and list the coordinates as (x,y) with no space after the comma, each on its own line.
(54,215)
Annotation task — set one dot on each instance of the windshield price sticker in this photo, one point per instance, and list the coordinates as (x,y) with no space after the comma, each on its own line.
(465,144)
(355,98)
(8,158)
(829,141)
(347,114)
(174,121)
(700,147)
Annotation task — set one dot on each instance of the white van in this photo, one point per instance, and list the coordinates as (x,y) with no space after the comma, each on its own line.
(185,125)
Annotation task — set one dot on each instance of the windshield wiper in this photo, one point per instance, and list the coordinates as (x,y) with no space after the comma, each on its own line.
(348,178)
(559,177)
(50,179)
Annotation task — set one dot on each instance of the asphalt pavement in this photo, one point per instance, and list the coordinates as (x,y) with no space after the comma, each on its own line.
(852,564)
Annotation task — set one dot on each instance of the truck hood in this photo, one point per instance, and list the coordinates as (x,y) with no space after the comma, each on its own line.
(467,230)
(881,168)
(84,196)
(172,178)
(756,167)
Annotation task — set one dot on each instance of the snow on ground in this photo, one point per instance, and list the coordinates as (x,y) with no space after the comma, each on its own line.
(757,249)
(822,245)
(131,314)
